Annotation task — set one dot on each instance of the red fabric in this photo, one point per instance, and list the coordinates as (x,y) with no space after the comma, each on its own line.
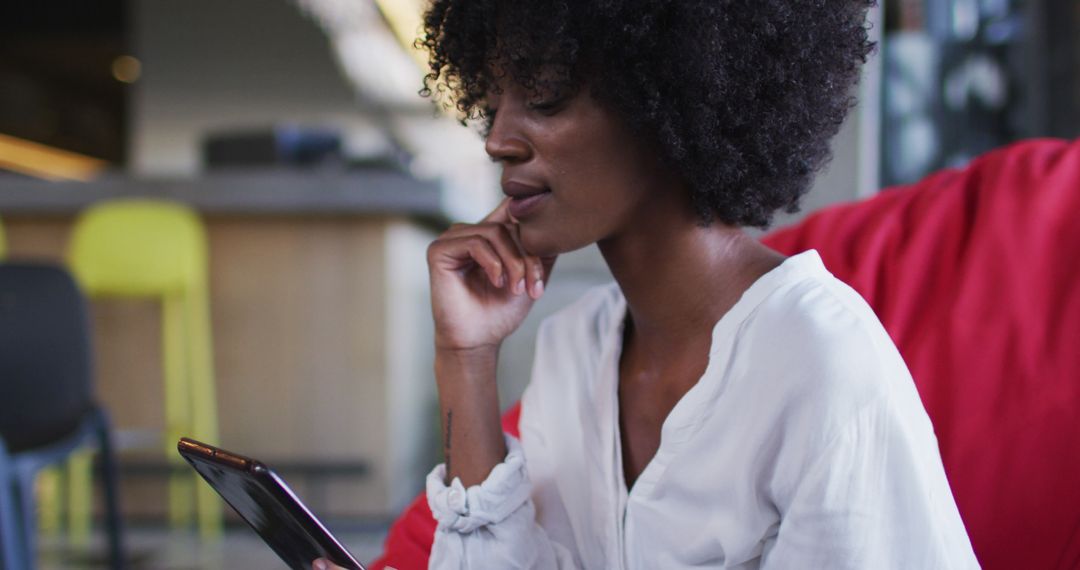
(975,273)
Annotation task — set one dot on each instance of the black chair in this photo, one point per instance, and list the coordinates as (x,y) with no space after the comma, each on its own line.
(47,409)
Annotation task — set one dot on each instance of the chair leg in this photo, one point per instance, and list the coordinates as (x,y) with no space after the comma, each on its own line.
(203,404)
(11,543)
(110,484)
(177,407)
(80,496)
(50,500)
(24,484)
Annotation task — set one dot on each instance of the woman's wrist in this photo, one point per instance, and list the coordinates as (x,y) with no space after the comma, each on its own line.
(469,400)
(472,366)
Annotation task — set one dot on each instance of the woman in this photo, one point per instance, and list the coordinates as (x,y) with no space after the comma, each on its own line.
(718,405)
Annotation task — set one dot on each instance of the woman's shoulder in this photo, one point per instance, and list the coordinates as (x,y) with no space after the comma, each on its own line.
(820,349)
(817,311)
(817,319)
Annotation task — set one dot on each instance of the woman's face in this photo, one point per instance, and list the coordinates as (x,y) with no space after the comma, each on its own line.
(575,172)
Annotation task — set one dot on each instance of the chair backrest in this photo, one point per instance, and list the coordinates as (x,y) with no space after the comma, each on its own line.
(45,357)
(975,273)
(138,248)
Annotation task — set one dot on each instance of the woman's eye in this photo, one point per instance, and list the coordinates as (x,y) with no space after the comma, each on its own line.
(546,106)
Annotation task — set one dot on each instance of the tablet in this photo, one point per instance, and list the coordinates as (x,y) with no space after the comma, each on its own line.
(268,505)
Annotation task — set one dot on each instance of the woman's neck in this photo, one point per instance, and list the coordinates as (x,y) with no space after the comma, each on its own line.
(679,278)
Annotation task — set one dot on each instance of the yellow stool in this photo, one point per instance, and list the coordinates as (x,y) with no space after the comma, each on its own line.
(146,248)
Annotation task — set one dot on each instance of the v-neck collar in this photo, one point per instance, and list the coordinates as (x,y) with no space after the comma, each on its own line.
(684,418)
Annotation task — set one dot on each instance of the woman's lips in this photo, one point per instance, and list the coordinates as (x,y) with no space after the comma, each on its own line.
(521,207)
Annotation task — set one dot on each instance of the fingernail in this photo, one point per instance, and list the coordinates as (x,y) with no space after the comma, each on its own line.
(502,280)
(320,564)
(520,287)
(538,288)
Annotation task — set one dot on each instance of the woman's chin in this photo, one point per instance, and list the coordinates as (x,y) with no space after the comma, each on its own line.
(538,243)
(542,251)
(547,244)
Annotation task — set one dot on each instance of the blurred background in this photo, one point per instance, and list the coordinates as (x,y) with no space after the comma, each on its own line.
(287,141)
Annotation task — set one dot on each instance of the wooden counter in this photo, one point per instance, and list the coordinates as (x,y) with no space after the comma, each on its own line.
(321,324)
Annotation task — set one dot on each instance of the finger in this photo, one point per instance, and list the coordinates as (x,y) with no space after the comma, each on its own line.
(324,564)
(501,213)
(546,265)
(480,250)
(500,237)
(536,277)
(536,274)
(456,254)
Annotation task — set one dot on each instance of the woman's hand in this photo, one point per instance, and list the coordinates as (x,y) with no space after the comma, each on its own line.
(483,283)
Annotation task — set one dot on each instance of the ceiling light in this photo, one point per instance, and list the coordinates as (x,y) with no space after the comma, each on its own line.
(126,69)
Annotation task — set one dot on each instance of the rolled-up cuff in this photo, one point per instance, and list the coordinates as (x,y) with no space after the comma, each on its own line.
(465,510)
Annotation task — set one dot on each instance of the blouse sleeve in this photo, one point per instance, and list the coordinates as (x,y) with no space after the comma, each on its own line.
(876,497)
(493,524)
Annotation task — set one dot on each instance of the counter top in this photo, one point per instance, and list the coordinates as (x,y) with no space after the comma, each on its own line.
(255,192)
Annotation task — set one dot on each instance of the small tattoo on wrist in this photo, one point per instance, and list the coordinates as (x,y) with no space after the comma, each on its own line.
(446,436)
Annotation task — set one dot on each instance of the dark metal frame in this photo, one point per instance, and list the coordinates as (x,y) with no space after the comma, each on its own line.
(18,525)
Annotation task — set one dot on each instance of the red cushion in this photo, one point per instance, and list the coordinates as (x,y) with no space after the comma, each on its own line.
(975,273)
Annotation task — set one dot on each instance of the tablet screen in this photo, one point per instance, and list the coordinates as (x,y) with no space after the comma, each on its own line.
(270,507)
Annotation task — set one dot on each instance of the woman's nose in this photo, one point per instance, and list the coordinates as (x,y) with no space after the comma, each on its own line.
(505,142)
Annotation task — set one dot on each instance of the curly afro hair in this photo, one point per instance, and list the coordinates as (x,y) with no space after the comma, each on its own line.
(740,97)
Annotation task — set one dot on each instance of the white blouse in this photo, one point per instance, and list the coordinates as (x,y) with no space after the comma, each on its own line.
(803,445)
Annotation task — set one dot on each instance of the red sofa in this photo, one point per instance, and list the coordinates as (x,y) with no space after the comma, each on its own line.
(975,273)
